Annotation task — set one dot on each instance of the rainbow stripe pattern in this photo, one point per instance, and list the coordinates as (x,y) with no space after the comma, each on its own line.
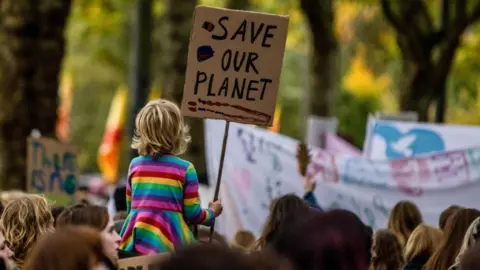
(162,198)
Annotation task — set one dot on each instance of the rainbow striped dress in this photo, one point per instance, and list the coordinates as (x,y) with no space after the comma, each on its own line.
(162,198)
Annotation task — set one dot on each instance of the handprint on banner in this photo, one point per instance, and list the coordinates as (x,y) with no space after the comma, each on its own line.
(242,181)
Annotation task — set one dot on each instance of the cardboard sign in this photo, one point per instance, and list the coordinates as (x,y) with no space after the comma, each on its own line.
(234,64)
(52,169)
(142,262)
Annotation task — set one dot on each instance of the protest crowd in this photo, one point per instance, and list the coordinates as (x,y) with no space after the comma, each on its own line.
(160,204)
(159,221)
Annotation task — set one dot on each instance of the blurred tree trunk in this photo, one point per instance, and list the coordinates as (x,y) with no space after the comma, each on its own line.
(320,17)
(179,16)
(427,51)
(32,50)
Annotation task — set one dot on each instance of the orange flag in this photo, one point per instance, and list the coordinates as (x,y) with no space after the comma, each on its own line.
(276,119)
(108,158)
(63,120)
(109,152)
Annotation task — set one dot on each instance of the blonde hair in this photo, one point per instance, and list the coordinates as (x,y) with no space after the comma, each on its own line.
(424,240)
(403,219)
(160,130)
(23,221)
(7,196)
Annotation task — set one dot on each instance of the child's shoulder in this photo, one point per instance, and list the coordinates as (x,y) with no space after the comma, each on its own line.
(176,160)
(166,160)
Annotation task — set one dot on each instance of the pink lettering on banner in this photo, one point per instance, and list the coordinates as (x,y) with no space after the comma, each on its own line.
(408,173)
(323,164)
(451,166)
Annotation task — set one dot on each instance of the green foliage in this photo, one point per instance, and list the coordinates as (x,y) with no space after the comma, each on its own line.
(97,58)
(352,114)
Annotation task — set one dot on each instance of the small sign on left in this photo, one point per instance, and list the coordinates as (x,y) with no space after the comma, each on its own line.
(52,169)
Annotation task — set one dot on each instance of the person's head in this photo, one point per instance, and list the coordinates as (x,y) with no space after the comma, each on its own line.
(73,248)
(120,198)
(369,242)
(423,241)
(471,237)
(471,260)
(403,219)
(96,217)
(203,236)
(6,254)
(215,257)
(243,240)
(160,129)
(23,221)
(387,253)
(56,211)
(282,211)
(446,214)
(322,241)
(453,235)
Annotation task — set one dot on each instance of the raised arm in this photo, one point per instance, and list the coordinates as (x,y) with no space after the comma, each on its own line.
(192,210)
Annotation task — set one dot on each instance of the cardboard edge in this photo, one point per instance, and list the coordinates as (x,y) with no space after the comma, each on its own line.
(200,7)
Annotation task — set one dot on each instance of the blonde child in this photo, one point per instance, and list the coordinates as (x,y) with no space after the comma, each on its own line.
(162,189)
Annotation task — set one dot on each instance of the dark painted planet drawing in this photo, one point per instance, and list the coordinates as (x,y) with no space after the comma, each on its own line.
(208,26)
(204,53)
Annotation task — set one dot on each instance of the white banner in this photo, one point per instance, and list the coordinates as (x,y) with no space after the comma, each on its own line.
(396,139)
(317,127)
(260,166)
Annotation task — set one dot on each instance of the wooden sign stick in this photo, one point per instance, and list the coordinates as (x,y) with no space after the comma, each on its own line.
(219,175)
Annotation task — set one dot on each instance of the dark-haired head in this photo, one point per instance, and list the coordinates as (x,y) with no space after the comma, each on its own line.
(471,260)
(56,211)
(368,246)
(120,198)
(282,213)
(215,257)
(331,240)
(446,214)
(82,214)
(97,217)
(387,251)
(73,248)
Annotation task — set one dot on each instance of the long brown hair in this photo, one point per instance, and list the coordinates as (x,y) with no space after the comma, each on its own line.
(23,221)
(387,251)
(72,248)
(88,215)
(453,236)
(282,211)
(403,219)
(423,241)
(446,214)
